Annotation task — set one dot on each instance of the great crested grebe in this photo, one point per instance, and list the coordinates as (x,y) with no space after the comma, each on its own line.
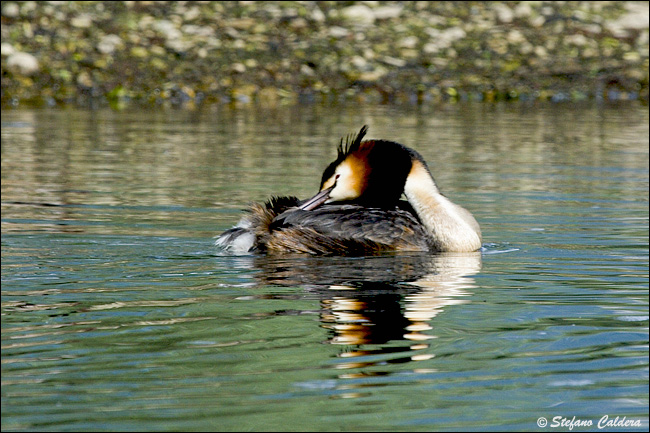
(358,209)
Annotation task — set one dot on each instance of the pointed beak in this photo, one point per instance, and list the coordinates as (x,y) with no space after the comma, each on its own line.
(317,200)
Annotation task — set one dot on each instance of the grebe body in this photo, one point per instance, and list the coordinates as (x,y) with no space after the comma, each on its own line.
(359,210)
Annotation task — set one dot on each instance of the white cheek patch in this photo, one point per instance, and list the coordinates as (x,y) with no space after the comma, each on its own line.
(346,185)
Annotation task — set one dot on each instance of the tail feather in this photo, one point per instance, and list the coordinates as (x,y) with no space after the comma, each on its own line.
(252,231)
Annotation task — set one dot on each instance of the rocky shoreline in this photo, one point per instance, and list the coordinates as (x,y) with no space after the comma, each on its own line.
(197,52)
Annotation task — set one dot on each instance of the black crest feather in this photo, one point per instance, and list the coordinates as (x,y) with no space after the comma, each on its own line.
(352,142)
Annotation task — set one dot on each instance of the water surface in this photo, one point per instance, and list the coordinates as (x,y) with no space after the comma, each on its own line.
(119,314)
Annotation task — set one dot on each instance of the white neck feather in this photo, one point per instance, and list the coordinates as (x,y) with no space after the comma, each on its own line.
(452,227)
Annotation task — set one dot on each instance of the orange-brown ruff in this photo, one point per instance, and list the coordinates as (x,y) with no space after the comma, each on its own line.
(358,209)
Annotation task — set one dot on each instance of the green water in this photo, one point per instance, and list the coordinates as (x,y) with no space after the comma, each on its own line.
(119,314)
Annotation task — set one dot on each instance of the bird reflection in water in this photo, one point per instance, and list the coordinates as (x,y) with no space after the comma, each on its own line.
(369,317)
(379,308)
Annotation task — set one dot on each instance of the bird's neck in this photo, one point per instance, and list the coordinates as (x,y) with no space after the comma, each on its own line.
(452,227)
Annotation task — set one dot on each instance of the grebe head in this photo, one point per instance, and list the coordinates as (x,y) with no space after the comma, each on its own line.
(370,173)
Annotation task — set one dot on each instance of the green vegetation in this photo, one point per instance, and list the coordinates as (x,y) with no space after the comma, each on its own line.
(186,52)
